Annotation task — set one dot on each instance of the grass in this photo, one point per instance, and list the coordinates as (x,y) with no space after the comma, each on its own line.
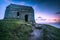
(52,30)
(14,29)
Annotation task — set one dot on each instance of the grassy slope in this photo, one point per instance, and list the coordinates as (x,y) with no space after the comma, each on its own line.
(52,30)
(14,30)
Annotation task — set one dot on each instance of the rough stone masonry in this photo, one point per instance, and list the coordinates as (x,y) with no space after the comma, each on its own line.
(21,12)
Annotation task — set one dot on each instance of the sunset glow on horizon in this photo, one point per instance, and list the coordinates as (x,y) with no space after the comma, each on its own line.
(47,18)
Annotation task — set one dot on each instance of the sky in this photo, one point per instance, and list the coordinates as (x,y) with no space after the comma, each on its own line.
(45,11)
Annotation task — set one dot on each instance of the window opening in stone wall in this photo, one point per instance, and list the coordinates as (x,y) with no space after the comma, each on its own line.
(26,18)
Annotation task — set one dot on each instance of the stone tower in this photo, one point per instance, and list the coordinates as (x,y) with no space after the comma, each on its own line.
(21,12)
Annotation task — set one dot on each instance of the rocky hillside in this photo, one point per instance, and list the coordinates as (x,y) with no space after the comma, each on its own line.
(50,32)
(20,30)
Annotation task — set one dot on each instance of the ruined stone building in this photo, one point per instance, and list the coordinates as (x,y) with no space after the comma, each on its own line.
(21,12)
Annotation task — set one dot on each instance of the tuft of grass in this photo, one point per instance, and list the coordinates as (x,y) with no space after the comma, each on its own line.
(14,29)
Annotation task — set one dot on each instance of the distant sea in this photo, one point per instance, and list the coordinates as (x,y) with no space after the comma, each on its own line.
(57,25)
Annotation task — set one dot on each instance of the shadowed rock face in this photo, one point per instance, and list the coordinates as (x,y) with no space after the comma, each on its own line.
(21,12)
(37,33)
(45,32)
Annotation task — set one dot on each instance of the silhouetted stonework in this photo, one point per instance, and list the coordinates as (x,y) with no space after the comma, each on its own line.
(22,12)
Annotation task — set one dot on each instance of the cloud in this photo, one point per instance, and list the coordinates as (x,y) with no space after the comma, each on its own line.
(35,6)
(19,3)
(7,0)
(22,3)
(11,1)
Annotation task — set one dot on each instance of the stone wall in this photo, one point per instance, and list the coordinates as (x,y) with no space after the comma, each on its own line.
(12,10)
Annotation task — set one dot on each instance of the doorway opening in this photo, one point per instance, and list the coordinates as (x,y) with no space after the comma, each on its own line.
(17,14)
(26,18)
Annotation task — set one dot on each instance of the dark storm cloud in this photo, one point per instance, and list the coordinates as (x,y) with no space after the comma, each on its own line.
(38,1)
